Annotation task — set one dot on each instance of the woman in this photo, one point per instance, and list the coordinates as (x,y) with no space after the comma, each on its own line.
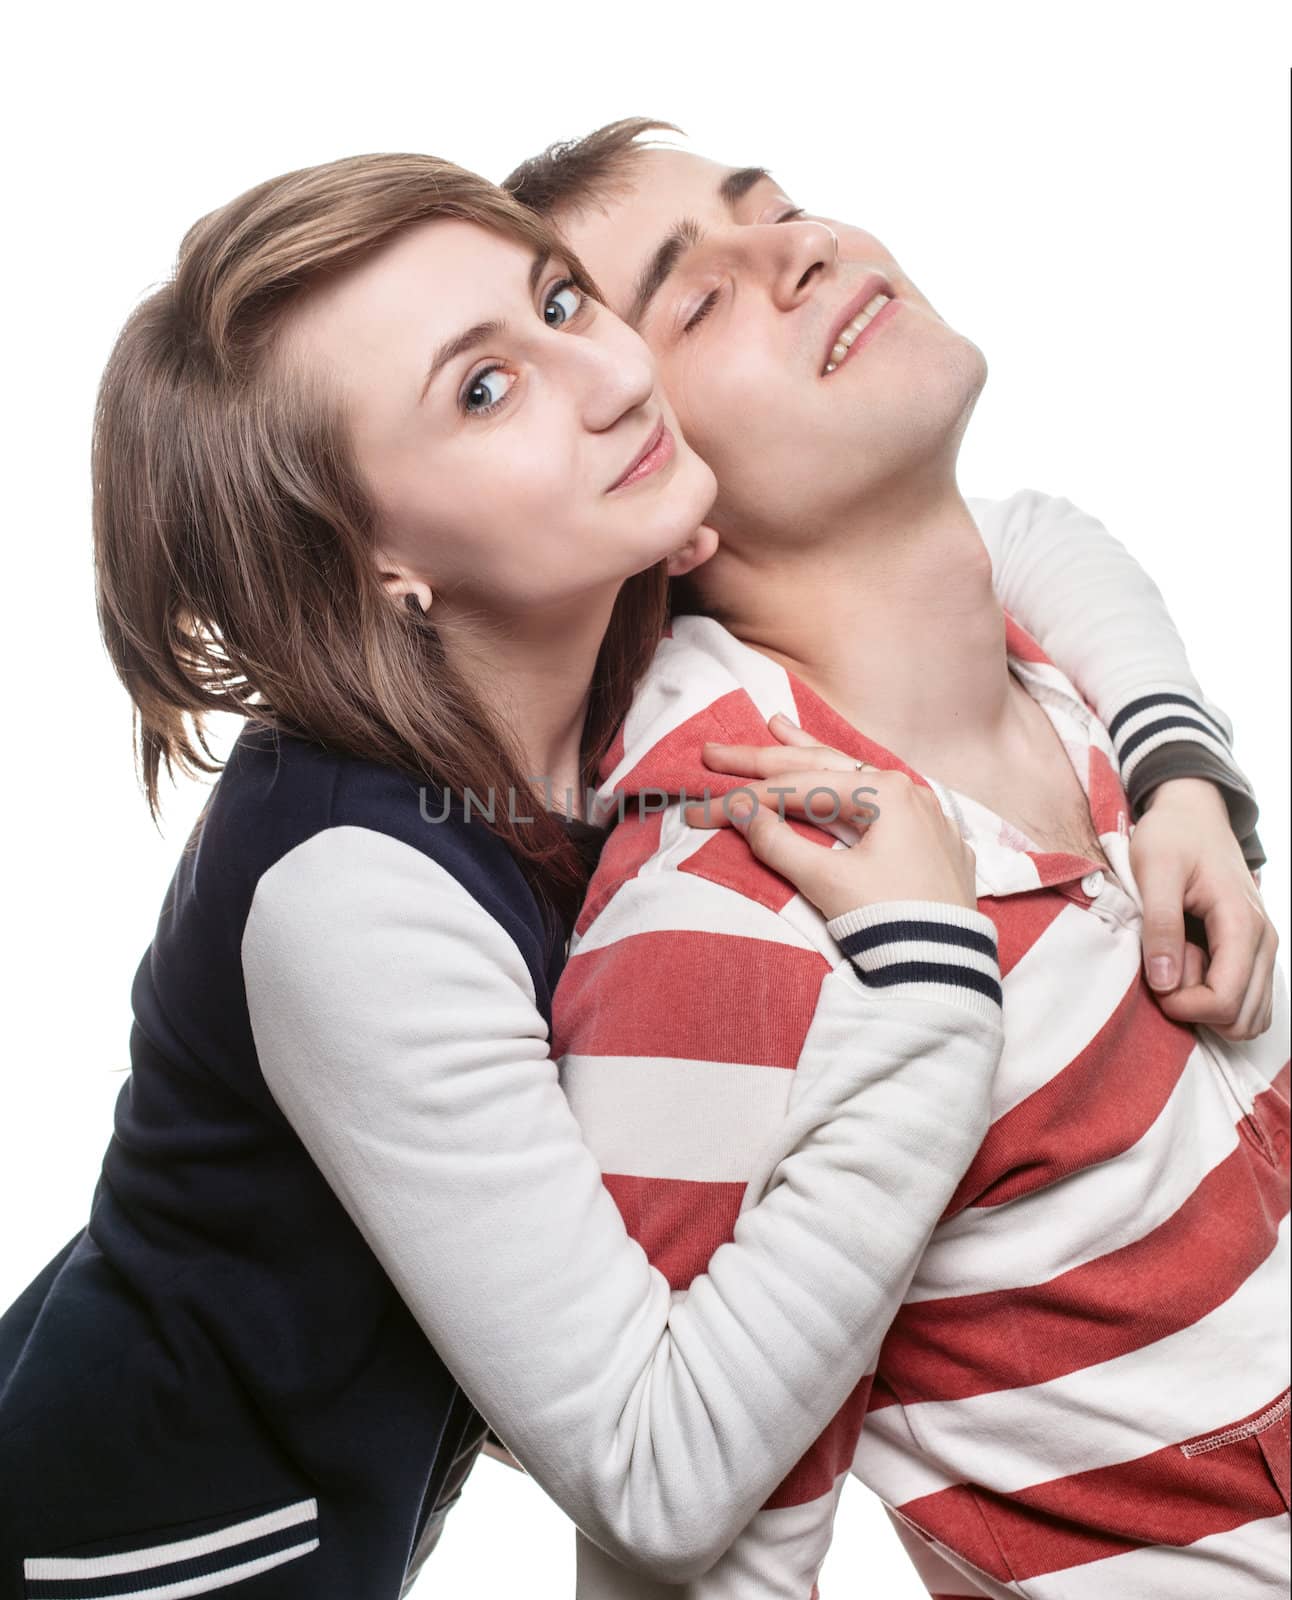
(378,472)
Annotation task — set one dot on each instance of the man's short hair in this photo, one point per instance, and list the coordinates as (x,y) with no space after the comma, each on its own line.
(572,172)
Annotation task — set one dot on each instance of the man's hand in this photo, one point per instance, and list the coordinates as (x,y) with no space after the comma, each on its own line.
(1186,859)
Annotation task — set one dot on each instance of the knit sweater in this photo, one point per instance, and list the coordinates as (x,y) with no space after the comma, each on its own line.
(347,1210)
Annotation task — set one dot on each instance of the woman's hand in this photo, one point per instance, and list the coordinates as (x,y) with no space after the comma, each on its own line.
(909,849)
(1186,859)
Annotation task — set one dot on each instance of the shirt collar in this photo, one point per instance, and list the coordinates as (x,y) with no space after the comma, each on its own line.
(1007,861)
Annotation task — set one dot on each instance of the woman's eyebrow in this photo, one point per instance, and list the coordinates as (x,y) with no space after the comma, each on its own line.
(471,337)
(459,345)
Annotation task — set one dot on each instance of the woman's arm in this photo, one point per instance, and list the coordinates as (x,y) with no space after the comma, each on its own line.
(397,1028)
(1208,945)
(1102,620)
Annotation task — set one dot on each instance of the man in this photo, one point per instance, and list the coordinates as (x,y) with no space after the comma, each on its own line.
(1085,1391)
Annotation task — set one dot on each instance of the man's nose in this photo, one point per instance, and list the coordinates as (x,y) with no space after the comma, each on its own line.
(798,254)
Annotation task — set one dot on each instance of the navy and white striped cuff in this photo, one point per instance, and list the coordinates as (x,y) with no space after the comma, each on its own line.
(927,947)
(1166,717)
(217,1559)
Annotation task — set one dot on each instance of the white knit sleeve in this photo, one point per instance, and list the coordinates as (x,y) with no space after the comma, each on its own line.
(397,1029)
(1098,615)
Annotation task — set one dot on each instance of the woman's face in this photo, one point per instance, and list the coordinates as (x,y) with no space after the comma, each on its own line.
(494,410)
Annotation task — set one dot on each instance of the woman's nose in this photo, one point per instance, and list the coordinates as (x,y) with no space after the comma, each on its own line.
(615,371)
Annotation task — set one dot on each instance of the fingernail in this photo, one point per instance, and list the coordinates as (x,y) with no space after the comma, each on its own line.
(789,721)
(740,811)
(1161,972)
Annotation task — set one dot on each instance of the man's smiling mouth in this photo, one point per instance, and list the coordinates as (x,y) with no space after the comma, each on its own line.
(854,318)
(848,337)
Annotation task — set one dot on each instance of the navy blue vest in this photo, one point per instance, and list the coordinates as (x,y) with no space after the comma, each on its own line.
(216,1370)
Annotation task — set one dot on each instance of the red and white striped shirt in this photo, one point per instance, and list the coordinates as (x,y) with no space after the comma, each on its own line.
(1084,1393)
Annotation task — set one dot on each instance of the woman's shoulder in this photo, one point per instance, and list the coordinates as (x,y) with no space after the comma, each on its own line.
(286,787)
(281,793)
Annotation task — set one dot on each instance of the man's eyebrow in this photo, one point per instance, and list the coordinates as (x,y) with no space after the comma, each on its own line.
(468,340)
(735,186)
(654,274)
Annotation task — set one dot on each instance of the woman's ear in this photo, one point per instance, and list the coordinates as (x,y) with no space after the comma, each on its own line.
(401,584)
(694,553)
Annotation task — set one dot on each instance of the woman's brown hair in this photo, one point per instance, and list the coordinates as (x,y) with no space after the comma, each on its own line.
(233,538)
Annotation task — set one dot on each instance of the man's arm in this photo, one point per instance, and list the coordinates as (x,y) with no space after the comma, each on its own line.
(1102,620)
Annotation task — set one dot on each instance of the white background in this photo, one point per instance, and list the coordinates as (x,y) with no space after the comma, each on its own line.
(1097,194)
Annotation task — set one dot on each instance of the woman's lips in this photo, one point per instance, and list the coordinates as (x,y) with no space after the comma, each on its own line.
(658,453)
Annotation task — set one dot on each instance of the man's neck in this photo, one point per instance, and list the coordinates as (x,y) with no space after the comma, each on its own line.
(894,622)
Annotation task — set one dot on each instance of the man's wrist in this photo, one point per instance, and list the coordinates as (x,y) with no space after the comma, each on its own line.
(1195,794)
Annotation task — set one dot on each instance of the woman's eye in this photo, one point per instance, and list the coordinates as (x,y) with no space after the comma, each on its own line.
(564,300)
(486,390)
(702,310)
(793,216)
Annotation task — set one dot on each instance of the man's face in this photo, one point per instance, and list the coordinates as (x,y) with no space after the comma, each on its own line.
(742,299)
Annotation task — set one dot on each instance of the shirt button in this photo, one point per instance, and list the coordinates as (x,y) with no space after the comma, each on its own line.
(1092,883)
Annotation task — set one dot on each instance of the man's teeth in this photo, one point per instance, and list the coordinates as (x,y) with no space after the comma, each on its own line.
(854,328)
